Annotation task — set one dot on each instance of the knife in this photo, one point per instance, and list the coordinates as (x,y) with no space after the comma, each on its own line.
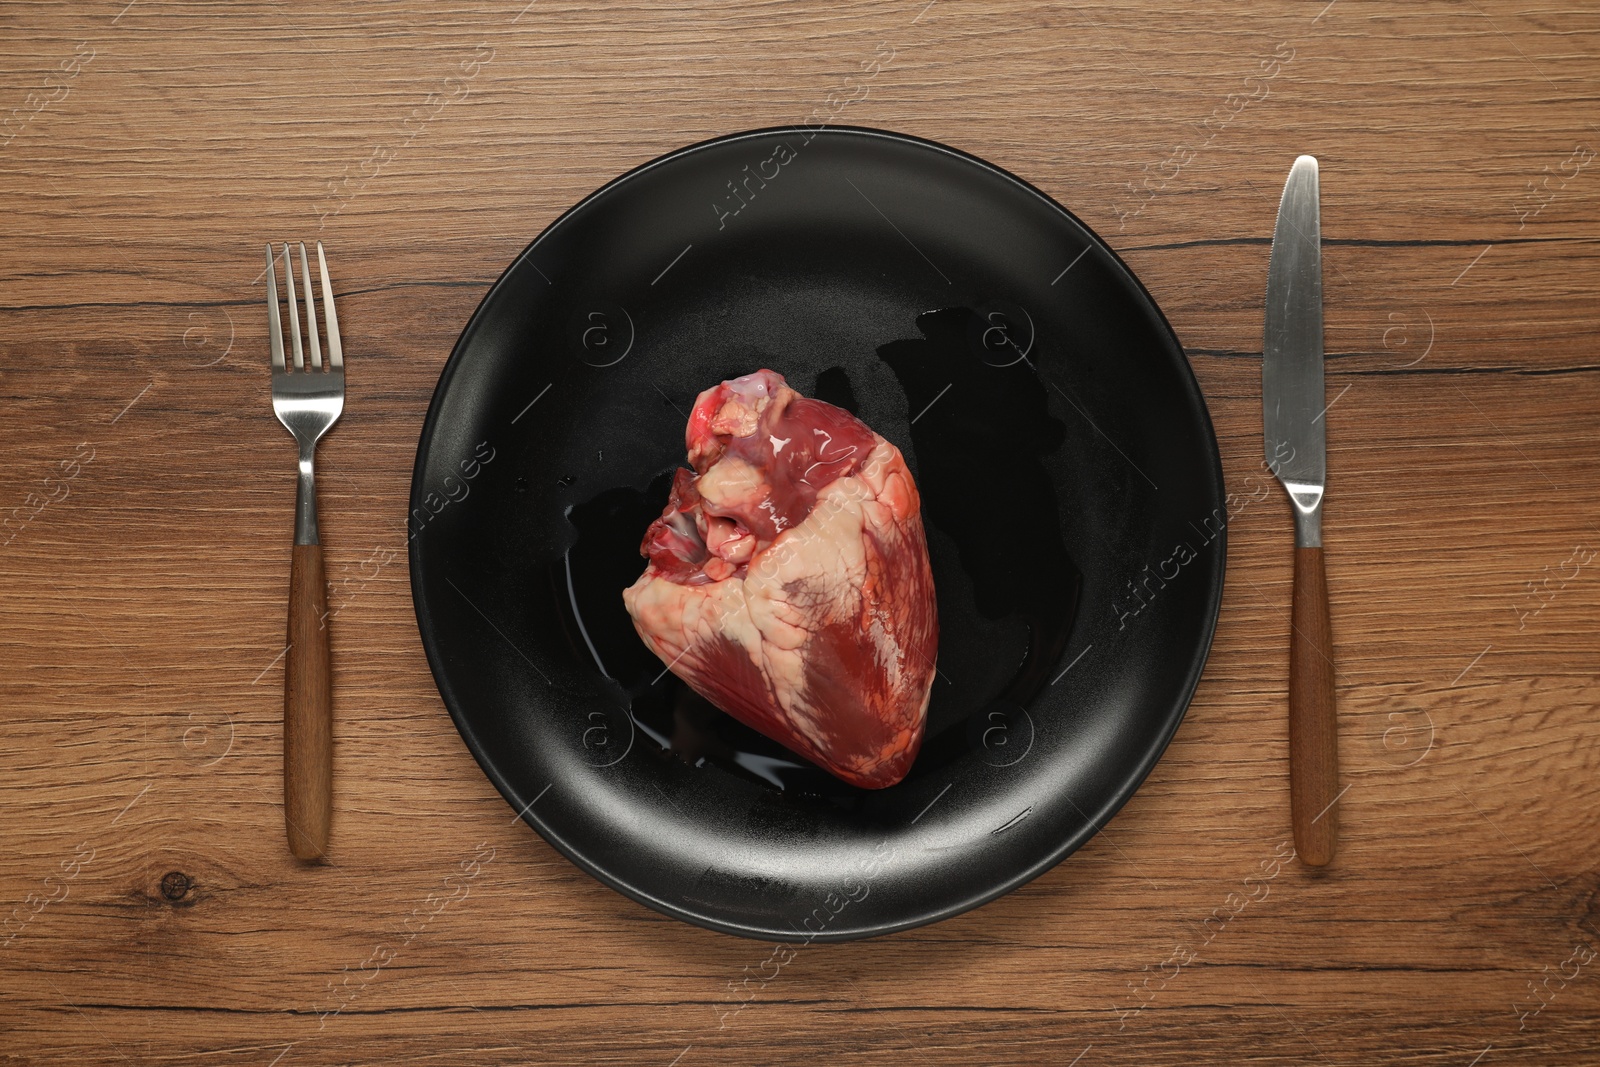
(1293,410)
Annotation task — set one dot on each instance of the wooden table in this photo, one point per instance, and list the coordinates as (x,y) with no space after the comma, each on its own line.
(157,915)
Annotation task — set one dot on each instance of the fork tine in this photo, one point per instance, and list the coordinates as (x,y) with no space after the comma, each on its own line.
(311,311)
(330,318)
(294,312)
(274,322)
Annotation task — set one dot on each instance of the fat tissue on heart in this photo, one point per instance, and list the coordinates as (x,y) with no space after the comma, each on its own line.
(788,580)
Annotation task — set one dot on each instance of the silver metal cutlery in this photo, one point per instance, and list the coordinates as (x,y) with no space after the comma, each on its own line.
(308,398)
(1294,426)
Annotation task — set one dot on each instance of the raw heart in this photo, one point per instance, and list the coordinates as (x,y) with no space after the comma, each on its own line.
(789,583)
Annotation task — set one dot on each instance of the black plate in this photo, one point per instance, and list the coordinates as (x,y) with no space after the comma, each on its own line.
(1071,488)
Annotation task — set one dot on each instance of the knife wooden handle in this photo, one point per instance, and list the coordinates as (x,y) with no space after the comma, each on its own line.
(307,709)
(1313,725)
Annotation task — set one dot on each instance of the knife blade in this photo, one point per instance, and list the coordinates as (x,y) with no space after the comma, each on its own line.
(1294,433)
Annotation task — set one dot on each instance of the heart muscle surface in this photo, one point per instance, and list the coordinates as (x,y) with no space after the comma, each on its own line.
(789,583)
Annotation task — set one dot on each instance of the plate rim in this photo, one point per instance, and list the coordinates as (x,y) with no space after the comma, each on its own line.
(1094,821)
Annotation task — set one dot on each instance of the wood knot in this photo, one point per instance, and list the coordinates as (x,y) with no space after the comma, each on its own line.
(175,885)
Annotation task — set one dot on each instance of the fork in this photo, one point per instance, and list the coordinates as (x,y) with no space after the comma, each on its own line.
(308,401)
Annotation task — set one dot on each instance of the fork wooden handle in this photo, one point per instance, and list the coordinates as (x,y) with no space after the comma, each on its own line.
(1313,725)
(307,709)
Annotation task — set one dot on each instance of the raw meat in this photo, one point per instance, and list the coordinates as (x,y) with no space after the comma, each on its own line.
(789,583)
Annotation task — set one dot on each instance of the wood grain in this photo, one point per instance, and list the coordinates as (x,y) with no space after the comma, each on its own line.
(148,497)
(1313,714)
(307,709)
